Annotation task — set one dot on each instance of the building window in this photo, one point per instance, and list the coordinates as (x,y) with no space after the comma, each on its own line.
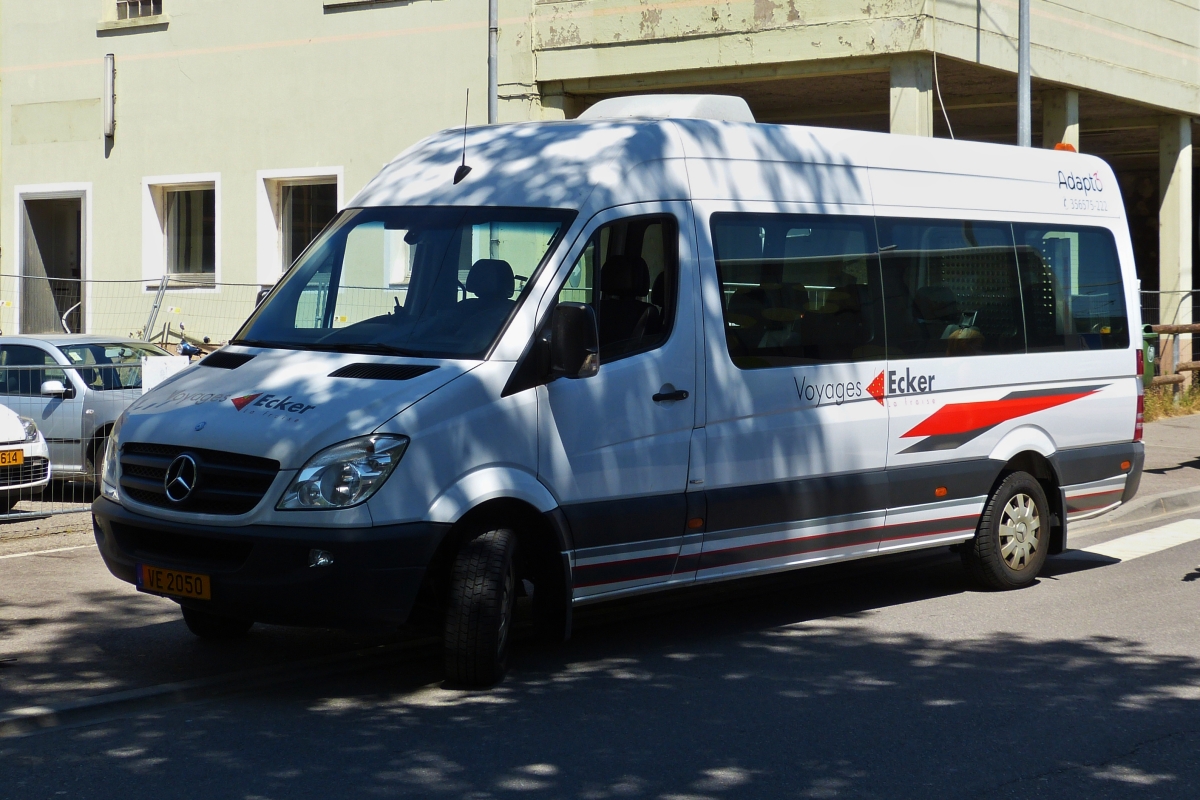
(133,9)
(191,230)
(307,209)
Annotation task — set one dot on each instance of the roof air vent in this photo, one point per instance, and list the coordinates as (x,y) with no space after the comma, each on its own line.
(223,359)
(672,106)
(381,372)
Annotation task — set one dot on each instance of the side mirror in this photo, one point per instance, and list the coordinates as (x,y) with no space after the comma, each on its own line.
(54,388)
(574,341)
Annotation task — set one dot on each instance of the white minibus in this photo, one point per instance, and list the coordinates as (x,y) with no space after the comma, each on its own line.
(578,360)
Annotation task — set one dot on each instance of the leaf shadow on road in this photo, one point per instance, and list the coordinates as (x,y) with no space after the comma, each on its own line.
(781,687)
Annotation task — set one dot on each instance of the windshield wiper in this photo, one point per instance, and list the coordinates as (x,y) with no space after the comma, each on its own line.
(339,347)
(366,347)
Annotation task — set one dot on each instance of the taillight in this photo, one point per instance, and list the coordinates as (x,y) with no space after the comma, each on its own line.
(1140,420)
(1141,365)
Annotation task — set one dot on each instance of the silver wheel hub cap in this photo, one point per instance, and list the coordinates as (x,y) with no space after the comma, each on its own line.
(1020,531)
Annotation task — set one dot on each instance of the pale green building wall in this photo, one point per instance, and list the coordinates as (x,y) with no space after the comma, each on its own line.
(226,87)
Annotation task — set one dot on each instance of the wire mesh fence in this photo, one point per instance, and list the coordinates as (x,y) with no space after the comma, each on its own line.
(55,417)
(167,311)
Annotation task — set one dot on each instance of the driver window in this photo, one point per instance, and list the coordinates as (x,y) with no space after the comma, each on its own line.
(629,273)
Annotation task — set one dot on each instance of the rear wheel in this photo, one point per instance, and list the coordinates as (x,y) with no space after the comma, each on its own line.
(208,625)
(1011,544)
(479,614)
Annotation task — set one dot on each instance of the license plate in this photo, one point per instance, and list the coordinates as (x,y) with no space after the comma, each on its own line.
(157,580)
(12,458)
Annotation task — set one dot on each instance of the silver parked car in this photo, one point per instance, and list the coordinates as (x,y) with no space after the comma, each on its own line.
(74,386)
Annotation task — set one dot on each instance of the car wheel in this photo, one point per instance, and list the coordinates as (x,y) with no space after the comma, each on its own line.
(208,625)
(479,615)
(97,460)
(1013,538)
(7,501)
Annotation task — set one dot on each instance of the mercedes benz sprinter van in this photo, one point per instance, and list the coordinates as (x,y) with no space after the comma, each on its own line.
(621,354)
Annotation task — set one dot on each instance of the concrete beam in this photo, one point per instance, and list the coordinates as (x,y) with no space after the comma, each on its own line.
(912,95)
(1060,118)
(1175,225)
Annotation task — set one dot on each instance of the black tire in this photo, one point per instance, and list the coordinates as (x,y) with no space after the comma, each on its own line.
(1013,538)
(7,501)
(208,625)
(479,613)
(97,460)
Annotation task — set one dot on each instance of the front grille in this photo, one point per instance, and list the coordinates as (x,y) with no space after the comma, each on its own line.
(32,471)
(226,483)
(195,551)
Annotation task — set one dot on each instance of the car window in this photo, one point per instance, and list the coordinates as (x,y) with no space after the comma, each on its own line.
(798,289)
(629,273)
(110,367)
(20,372)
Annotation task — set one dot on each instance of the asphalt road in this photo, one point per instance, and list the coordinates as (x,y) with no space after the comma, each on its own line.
(886,679)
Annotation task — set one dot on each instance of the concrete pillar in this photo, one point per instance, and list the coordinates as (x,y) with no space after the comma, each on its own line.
(1060,118)
(1175,225)
(912,94)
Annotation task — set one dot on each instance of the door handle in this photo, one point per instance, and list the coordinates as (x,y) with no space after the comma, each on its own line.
(678,394)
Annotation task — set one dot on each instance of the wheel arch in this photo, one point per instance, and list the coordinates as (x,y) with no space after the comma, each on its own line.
(543,558)
(1041,467)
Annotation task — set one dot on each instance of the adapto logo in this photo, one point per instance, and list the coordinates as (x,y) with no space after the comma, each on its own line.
(1080,183)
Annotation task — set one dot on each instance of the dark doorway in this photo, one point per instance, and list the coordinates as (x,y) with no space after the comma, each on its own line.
(307,209)
(52,266)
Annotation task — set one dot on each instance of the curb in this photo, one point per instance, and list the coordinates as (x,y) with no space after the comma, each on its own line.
(22,721)
(1144,508)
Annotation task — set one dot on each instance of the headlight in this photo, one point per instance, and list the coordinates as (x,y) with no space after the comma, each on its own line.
(30,429)
(110,472)
(345,474)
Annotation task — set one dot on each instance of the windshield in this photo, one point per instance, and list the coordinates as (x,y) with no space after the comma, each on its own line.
(435,282)
(110,372)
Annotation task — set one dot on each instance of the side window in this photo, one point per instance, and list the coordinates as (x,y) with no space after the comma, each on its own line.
(24,379)
(950,288)
(798,289)
(1074,298)
(629,273)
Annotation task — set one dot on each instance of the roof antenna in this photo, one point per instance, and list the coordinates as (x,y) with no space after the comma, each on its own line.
(463,170)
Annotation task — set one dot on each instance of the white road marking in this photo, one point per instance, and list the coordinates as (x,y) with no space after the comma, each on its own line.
(43,552)
(1148,542)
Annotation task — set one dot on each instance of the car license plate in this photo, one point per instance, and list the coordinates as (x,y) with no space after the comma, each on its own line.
(12,458)
(157,580)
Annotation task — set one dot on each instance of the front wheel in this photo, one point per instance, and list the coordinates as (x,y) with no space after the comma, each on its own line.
(479,614)
(1013,538)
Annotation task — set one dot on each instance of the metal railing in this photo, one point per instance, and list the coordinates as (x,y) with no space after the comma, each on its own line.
(167,310)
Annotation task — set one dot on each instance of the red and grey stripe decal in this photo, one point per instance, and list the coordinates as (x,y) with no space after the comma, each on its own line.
(1088,499)
(606,569)
(955,424)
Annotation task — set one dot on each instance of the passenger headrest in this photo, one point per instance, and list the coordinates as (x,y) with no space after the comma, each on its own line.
(936,302)
(658,292)
(491,279)
(625,276)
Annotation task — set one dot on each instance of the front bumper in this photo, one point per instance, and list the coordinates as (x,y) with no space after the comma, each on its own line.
(261,572)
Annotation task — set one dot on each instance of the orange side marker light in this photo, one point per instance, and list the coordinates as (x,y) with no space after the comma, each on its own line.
(1125,465)
(695,522)
(939,491)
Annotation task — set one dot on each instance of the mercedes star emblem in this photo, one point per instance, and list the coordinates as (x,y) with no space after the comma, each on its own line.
(181,478)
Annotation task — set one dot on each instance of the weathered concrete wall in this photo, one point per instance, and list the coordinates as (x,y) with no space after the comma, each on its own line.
(1148,51)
